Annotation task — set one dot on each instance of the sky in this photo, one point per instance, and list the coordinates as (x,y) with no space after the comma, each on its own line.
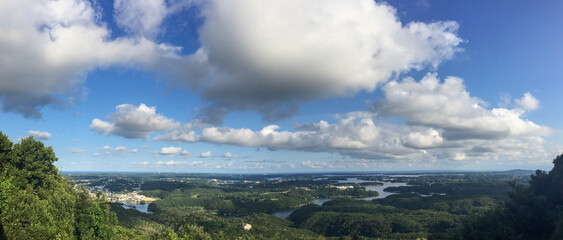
(247,86)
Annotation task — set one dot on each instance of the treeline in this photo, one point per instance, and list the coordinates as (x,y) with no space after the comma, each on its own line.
(241,199)
(200,224)
(534,211)
(352,218)
(227,203)
(36,202)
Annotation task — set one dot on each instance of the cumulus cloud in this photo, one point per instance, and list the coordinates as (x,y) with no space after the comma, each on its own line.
(254,57)
(120,149)
(185,153)
(134,150)
(449,107)
(228,155)
(140,16)
(173,163)
(134,122)
(77,150)
(170,163)
(184,134)
(46,55)
(39,134)
(106,147)
(352,136)
(441,119)
(170,150)
(431,138)
(144,17)
(205,154)
(349,133)
(357,135)
(459,156)
(528,102)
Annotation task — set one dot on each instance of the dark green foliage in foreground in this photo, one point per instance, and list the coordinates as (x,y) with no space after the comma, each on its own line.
(201,224)
(36,202)
(207,226)
(531,212)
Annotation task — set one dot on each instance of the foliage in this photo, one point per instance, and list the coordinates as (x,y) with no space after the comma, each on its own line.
(349,217)
(531,212)
(226,201)
(36,202)
(93,218)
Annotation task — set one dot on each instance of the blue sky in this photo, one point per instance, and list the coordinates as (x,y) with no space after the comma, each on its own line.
(284,86)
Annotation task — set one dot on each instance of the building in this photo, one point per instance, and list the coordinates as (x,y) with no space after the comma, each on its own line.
(246,226)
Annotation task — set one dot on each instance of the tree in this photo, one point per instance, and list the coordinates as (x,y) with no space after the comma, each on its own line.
(5,181)
(39,203)
(36,202)
(94,220)
(531,212)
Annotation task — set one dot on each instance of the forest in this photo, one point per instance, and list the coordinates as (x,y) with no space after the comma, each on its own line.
(39,202)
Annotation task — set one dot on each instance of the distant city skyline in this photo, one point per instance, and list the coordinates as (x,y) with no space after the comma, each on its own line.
(284,85)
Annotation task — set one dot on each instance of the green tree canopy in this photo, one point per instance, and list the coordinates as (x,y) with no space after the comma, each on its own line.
(531,212)
(36,202)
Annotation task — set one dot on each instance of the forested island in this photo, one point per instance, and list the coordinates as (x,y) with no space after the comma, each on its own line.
(39,202)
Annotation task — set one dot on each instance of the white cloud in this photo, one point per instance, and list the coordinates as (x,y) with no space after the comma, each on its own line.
(352,136)
(183,134)
(528,102)
(120,149)
(48,47)
(173,163)
(252,56)
(505,100)
(428,139)
(96,155)
(205,154)
(357,136)
(228,155)
(77,150)
(170,150)
(169,163)
(258,58)
(39,134)
(449,107)
(441,120)
(106,147)
(349,133)
(460,156)
(141,17)
(134,150)
(145,17)
(185,153)
(317,164)
(134,122)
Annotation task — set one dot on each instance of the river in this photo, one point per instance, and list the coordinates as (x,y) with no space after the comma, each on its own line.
(380,189)
(144,208)
(283,214)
